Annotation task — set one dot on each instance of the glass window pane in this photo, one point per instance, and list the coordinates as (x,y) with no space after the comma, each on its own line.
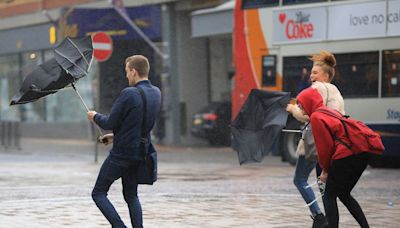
(249,4)
(391,74)
(268,70)
(65,106)
(9,86)
(357,74)
(48,54)
(296,74)
(34,111)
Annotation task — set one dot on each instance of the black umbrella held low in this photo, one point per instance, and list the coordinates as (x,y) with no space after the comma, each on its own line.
(259,124)
(45,79)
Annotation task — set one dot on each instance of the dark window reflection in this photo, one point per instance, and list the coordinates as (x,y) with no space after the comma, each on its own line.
(391,74)
(357,74)
(249,4)
(296,74)
(290,2)
(269,70)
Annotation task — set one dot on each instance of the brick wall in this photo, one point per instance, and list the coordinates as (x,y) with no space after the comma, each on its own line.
(10,8)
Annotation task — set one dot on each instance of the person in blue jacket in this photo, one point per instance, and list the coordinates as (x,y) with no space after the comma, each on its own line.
(125,121)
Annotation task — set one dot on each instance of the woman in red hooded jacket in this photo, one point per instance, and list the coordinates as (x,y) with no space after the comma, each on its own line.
(341,169)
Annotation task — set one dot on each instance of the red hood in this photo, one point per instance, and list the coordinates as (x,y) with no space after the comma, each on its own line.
(310,100)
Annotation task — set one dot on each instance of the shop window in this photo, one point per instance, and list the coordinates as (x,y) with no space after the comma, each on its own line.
(55,104)
(34,111)
(9,86)
(292,2)
(391,74)
(250,4)
(296,74)
(357,74)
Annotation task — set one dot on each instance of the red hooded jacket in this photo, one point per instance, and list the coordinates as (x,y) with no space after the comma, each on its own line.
(324,127)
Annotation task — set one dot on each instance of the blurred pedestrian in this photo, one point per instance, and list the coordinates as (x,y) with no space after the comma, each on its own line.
(322,74)
(341,168)
(125,120)
(304,80)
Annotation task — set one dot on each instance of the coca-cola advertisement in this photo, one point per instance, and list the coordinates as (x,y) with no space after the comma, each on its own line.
(300,25)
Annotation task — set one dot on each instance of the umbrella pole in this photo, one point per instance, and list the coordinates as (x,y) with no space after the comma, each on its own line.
(84,104)
(291,131)
(80,97)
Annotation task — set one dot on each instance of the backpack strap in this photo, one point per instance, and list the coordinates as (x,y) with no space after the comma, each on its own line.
(327,94)
(143,137)
(303,129)
(340,117)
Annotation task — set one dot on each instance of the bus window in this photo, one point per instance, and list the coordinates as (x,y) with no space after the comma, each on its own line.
(251,4)
(391,74)
(269,70)
(291,2)
(296,74)
(357,74)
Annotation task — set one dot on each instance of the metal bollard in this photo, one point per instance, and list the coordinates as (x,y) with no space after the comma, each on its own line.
(17,135)
(10,134)
(3,133)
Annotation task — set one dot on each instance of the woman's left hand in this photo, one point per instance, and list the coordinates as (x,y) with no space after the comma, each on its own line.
(323,177)
(289,108)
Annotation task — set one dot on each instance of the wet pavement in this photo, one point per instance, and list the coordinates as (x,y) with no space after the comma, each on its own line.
(49,185)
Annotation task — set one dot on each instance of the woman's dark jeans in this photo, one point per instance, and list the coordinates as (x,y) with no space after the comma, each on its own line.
(111,170)
(342,177)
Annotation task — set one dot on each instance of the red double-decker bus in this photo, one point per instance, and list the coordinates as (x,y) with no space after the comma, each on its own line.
(273,40)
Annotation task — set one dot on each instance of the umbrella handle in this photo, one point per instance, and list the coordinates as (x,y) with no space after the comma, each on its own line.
(84,104)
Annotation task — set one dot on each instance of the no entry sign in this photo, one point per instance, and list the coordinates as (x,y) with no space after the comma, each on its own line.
(102,46)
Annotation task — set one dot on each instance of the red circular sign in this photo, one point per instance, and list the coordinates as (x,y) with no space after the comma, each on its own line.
(102,46)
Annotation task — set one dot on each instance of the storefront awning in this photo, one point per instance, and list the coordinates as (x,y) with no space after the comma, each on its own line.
(213,21)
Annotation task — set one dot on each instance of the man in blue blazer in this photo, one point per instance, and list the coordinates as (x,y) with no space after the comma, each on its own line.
(125,120)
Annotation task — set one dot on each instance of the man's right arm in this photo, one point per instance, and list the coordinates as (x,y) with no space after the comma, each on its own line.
(109,122)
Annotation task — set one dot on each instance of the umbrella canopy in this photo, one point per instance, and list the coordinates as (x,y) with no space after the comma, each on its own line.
(258,124)
(47,78)
(75,55)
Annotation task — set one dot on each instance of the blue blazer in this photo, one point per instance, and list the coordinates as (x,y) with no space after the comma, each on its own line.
(125,119)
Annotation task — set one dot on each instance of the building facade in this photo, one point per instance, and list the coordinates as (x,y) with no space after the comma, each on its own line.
(30,29)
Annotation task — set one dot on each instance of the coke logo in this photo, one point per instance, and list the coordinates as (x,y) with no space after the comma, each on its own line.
(298,30)
(301,28)
(282,17)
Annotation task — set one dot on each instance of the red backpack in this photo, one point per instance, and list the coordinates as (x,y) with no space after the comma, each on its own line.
(361,137)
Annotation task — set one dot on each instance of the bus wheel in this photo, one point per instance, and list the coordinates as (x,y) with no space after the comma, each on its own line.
(290,140)
(289,146)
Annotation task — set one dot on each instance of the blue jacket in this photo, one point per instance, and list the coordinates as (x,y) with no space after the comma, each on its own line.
(125,119)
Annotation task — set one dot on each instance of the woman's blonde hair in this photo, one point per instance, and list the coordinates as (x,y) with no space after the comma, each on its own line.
(326,61)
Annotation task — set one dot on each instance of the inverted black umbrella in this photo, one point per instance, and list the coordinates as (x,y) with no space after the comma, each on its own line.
(75,55)
(72,61)
(259,124)
(45,79)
